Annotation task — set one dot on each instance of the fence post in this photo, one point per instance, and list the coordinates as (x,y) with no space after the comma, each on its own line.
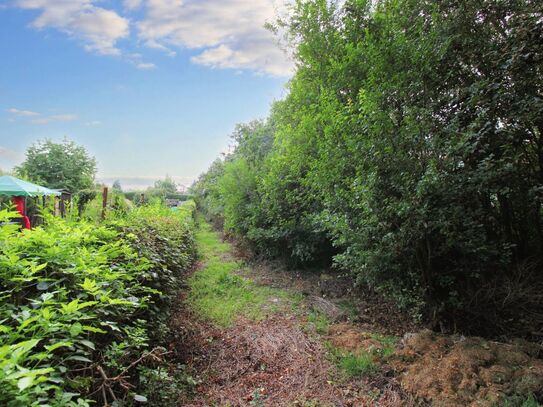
(104,202)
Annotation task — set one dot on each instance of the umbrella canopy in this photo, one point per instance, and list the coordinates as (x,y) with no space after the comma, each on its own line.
(11,186)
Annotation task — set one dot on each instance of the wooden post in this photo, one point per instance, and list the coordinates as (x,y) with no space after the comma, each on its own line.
(104,202)
(142,198)
(61,207)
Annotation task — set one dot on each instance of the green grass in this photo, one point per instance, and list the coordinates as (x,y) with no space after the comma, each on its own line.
(219,294)
(388,342)
(352,364)
(349,308)
(362,363)
(357,365)
(519,401)
(320,322)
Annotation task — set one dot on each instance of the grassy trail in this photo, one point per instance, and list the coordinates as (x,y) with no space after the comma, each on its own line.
(219,294)
(257,345)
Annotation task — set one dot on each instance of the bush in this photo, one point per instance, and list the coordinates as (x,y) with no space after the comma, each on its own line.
(79,302)
(409,150)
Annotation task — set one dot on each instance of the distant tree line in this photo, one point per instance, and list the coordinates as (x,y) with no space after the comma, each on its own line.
(409,151)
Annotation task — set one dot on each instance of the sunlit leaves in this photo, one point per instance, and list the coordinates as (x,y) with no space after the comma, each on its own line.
(68,284)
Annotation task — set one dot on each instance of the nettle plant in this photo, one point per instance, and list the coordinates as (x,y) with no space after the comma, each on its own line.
(75,301)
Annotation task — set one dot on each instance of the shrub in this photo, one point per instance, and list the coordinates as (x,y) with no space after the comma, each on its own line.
(409,150)
(79,302)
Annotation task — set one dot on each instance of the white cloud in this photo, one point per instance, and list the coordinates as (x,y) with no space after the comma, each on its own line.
(230,33)
(22,113)
(224,33)
(38,118)
(156,45)
(145,66)
(55,118)
(93,123)
(132,4)
(98,28)
(136,59)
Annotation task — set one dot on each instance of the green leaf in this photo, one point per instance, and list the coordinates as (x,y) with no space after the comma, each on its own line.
(25,382)
(79,358)
(88,344)
(89,328)
(57,345)
(76,329)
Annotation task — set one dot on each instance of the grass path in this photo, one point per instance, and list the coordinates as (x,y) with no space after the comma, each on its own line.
(219,294)
(257,346)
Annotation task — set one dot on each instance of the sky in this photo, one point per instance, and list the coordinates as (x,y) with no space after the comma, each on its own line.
(149,87)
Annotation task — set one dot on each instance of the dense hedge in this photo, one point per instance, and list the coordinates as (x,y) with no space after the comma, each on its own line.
(409,149)
(80,303)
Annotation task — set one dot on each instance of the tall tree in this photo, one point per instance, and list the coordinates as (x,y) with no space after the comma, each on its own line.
(59,165)
(164,187)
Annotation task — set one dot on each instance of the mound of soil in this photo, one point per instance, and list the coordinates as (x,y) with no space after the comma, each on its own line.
(324,292)
(455,371)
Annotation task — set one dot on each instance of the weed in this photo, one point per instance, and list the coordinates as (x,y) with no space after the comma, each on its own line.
(388,342)
(257,399)
(519,401)
(349,308)
(363,362)
(320,321)
(355,365)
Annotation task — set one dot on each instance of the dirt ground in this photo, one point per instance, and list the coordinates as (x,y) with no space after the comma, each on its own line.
(271,362)
(334,295)
(277,362)
(282,361)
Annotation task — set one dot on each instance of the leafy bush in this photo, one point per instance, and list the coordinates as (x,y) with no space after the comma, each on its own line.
(409,150)
(79,303)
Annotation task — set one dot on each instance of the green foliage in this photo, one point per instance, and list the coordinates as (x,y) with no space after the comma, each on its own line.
(363,362)
(408,150)
(162,388)
(320,322)
(59,165)
(162,188)
(75,296)
(520,401)
(357,365)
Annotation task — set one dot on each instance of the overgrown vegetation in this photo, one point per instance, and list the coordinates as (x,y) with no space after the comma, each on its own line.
(84,308)
(408,151)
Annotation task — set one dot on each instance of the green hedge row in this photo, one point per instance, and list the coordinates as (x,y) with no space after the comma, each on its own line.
(409,150)
(80,303)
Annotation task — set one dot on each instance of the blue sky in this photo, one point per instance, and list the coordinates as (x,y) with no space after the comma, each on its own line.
(149,87)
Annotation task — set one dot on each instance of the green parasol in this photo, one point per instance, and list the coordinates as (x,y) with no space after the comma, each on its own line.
(11,186)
